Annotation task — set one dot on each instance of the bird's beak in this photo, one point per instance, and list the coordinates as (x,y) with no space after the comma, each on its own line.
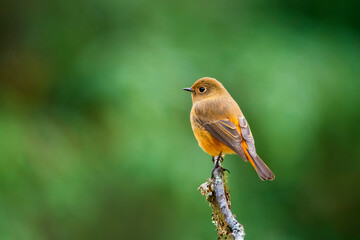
(188,89)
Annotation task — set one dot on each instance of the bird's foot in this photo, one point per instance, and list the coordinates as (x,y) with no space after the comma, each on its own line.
(221,157)
(226,170)
(218,160)
(216,163)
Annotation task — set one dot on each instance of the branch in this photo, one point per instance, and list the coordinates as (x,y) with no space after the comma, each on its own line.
(218,196)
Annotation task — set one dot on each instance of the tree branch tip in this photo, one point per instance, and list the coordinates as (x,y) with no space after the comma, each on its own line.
(217,194)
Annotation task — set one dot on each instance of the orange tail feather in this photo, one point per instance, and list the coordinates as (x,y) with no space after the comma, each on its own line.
(262,170)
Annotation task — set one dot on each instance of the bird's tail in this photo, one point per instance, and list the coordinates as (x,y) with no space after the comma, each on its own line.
(262,170)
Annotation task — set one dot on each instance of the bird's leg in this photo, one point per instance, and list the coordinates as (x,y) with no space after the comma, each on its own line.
(221,158)
(217,160)
(216,163)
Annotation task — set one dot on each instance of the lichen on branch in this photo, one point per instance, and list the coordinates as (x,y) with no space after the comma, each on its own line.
(217,194)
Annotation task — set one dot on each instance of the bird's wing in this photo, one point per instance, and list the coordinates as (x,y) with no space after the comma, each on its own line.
(247,136)
(226,132)
(262,170)
(242,142)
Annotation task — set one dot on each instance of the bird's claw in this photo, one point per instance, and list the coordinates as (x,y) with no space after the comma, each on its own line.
(216,161)
(226,170)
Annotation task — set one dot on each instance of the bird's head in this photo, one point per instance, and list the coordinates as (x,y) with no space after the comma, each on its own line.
(206,88)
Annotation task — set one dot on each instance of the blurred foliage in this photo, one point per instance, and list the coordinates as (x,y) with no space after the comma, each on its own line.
(96,141)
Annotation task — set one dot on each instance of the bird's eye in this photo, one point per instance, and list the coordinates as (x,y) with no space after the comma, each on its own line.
(202,89)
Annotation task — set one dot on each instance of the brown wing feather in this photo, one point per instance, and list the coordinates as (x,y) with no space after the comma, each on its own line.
(227,133)
(249,147)
(247,135)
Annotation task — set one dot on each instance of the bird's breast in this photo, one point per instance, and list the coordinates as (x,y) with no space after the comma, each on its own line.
(207,142)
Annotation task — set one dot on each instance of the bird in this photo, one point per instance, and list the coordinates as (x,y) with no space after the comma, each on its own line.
(220,127)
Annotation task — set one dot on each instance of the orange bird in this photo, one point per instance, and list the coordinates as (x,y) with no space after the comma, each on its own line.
(220,127)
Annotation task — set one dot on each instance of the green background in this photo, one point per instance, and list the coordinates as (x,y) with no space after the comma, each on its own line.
(95,137)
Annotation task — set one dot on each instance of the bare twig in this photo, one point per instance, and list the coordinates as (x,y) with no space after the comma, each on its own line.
(218,196)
